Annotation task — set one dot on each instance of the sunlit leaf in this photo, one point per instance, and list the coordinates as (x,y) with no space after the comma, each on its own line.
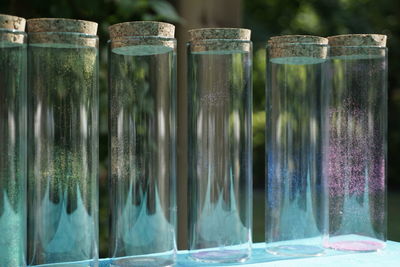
(165,10)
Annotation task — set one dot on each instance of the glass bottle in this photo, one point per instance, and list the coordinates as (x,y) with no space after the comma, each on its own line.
(13,145)
(296,96)
(142,144)
(357,142)
(220,144)
(63,142)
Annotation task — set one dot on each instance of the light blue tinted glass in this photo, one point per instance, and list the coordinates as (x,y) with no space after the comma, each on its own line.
(357,149)
(142,145)
(220,150)
(296,95)
(63,149)
(13,148)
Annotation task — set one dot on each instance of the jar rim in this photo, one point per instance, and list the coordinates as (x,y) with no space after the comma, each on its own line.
(297,39)
(358,40)
(12,31)
(72,34)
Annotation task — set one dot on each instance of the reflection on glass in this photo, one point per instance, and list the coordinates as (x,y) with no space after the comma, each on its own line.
(12,148)
(357,148)
(142,110)
(63,150)
(219,151)
(295,187)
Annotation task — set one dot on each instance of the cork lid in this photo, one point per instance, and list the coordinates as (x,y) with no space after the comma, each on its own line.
(297,49)
(378,40)
(66,33)
(61,25)
(12,23)
(219,33)
(220,40)
(141,46)
(142,28)
(357,46)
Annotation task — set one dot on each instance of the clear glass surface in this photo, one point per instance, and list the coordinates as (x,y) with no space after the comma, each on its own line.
(142,142)
(296,96)
(220,150)
(13,148)
(357,149)
(63,150)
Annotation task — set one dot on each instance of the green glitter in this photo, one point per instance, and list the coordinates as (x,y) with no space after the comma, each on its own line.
(63,154)
(12,154)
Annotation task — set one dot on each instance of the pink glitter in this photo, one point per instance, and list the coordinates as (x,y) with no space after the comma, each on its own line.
(356,176)
(356,245)
(356,152)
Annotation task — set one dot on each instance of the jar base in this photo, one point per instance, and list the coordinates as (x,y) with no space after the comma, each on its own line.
(143,261)
(355,244)
(296,250)
(89,263)
(220,256)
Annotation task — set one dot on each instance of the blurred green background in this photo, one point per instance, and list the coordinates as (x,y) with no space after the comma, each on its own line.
(265,18)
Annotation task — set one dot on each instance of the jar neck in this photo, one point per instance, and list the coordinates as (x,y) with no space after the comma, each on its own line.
(224,46)
(358,52)
(67,39)
(12,37)
(142,45)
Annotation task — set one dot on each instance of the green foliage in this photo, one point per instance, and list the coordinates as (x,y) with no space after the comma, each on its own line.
(259,72)
(164,10)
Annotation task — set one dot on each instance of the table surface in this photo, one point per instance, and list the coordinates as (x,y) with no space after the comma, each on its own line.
(389,257)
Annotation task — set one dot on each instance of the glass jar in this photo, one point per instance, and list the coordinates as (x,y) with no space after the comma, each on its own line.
(296,96)
(142,144)
(13,145)
(220,144)
(357,142)
(63,142)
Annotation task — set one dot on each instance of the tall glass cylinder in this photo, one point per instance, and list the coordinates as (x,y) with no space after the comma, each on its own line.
(220,144)
(142,144)
(63,142)
(13,145)
(296,95)
(356,164)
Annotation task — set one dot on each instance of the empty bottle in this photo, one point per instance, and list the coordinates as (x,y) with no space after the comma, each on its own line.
(13,145)
(142,144)
(356,166)
(220,144)
(63,142)
(296,96)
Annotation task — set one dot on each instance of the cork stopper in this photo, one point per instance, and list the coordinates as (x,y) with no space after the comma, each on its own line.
(12,23)
(61,25)
(378,40)
(142,28)
(129,38)
(219,33)
(298,49)
(358,46)
(61,31)
(13,30)
(220,40)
